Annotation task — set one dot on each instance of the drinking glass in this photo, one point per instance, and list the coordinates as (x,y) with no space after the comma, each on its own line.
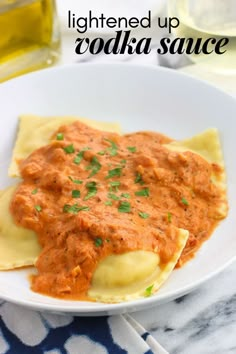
(205,19)
(29,36)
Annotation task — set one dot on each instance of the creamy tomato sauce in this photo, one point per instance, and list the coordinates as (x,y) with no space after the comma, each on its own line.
(90,194)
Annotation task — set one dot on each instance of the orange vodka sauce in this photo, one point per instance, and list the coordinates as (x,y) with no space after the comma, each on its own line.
(90,194)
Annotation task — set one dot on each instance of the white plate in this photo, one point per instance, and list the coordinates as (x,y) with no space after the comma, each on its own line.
(140,98)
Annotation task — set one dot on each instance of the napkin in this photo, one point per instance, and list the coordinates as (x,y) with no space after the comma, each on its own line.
(25,331)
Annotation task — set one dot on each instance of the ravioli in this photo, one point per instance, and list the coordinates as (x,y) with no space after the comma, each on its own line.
(207,145)
(117,277)
(35,132)
(129,276)
(18,246)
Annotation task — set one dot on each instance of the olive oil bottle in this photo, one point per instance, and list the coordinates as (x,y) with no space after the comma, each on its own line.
(29,36)
(208,19)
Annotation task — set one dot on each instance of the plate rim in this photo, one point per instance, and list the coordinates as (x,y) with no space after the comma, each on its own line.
(117,308)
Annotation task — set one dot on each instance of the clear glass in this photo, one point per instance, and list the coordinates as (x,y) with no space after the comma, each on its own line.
(29,36)
(204,19)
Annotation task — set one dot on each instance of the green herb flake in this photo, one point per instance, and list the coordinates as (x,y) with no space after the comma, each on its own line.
(123,162)
(102,152)
(76,181)
(78,158)
(80,155)
(125,195)
(132,149)
(124,207)
(148,291)
(138,179)
(98,242)
(116,172)
(92,190)
(60,136)
(114,186)
(74,209)
(143,192)
(69,149)
(108,203)
(113,149)
(35,191)
(184,201)
(113,196)
(38,208)
(143,215)
(169,216)
(94,166)
(75,193)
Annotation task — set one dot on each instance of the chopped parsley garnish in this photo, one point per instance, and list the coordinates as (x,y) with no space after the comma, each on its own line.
(114,186)
(60,136)
(116,172)
(74,209)
(123,161)
(184,201)
(102,152)
(124,207)
(92,190)
(139,179)
(169,217)
(143,215)
(113,196)
(38,208)
(143,192)
(125,195)
(148,291)
(75,193)
(113,149)
(76,181)
(35,191)
(69,149)
(108,202)
(98,242)
(80,155)
(94,166)
(132,149)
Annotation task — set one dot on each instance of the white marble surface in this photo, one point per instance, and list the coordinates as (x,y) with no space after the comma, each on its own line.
(202,322)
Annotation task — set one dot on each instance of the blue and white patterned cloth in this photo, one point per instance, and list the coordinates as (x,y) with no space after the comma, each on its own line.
(24,331)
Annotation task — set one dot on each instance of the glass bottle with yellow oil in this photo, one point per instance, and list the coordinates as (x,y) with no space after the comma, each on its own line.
(29,36)
(208,19)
